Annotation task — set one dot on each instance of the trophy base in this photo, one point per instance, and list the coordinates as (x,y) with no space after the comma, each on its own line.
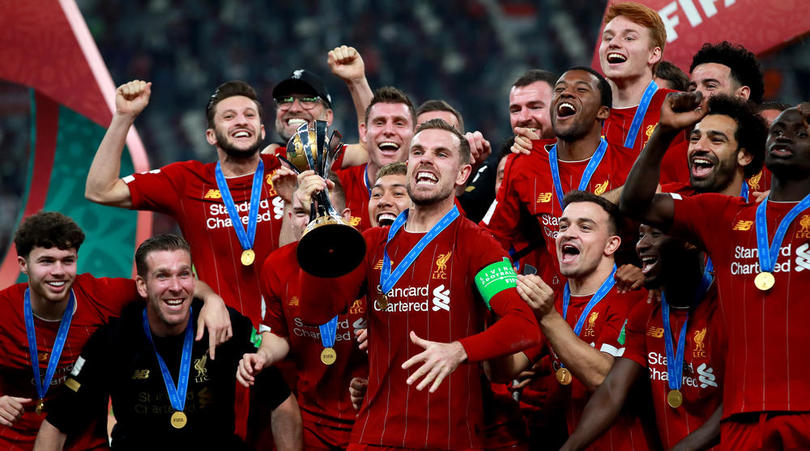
(330,248)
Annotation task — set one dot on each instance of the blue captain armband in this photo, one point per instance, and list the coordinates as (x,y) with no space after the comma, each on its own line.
(495,278)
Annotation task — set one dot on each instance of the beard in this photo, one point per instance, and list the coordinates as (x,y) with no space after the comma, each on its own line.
(227,146)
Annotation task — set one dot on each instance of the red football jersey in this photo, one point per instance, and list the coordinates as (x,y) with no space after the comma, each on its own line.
(96,300)
(674,168)
(358,192)
(436,298)
(323,390)
(761,181)
(527,189)
(766,361)
(604,329)
(703,363)
(187,191)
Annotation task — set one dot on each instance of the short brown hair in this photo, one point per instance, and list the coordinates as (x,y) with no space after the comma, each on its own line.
(642,15)
(464,146)
(47,229)
(440,105)
(230,89)
(395,168)
(390,94)
(163,242)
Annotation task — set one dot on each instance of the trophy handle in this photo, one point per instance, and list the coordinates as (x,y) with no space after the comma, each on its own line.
(289,163)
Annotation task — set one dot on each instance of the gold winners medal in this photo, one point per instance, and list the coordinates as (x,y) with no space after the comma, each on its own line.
(40,407)
(328,356)
(563,376)
(179,420)
(674,398)
(764,281)
(248,256)
(382,299)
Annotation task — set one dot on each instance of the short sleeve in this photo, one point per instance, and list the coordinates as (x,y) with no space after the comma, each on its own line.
(157,190)
(613,334)
(691,220)
(110,295)
(272,289)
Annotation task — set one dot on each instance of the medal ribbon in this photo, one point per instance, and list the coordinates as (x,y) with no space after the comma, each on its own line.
(58,344)
(744,190)
(600,293)
(389,279)
(596,158)
(177,396)
(641,111)
(768,256)
(365,180)
(245,238)
(674,359)
(328,332)
(708,277)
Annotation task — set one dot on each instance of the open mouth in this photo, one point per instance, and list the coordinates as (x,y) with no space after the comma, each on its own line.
(615,58)
(175,303)
(388,147)
(568,253)
(241,134)
(648,263)
(565,109)
(386,219)
(57,285)
(702,166)
(296,122)
(426,178)
(781,150)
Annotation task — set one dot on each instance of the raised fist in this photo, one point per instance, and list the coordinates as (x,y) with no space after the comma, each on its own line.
(681,110)
(131,98)
(346,63)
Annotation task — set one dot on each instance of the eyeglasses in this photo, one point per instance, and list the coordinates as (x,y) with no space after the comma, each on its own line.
(307,103)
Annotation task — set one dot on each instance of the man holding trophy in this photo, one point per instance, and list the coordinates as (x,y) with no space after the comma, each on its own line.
(429,287)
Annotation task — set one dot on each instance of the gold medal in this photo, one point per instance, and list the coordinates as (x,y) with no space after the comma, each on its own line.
(382,299)
(40,407)
(563,376)
(764,281)
(328,356)
(179,420)
(248,256)
(674,398)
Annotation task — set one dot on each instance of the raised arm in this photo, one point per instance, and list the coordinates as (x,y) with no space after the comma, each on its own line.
(638,199)
(605,404)
(104,185)
(346,63)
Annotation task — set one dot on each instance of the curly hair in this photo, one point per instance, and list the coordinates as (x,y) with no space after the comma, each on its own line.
(47,229)
(751,131)
(743,64)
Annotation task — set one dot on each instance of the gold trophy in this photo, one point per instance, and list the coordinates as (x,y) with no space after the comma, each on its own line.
(329,246)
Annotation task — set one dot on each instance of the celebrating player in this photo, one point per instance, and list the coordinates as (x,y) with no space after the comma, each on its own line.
(164,389)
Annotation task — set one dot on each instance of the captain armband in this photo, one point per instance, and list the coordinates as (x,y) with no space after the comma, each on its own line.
(495,278)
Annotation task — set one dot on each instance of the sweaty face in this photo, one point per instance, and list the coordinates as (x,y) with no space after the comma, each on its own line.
(387,133)
(583,239)
(238,129)
(389,198)
(446,116)
(290,116)
(714,78)
(529,108)
(788,146)
(713,153)
(576,106)
(51,272)
(434,167)
(626,50)
(168,288)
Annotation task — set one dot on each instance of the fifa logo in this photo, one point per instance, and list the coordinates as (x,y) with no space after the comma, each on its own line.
(589,330)
(700,346)
(441,266)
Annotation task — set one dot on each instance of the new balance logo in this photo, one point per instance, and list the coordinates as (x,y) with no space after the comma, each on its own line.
(543,198)
(441,299)
(743,225)
(706,376)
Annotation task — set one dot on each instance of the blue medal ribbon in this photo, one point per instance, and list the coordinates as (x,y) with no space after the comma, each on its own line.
(245,238)
(674,359)
(58,344)
(177,395)
(328,332)
(768,255)
(708,276)
(387,278)
(596,158)
(365,179)
(744,190)
(641,111)
(595,299)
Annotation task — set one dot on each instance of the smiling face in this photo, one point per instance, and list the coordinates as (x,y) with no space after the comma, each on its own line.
(303,109)
(576,107)
(714,154)
(529,108)
(238,129)
(626,50)
(387,133)
(435,167)
(715,78)
(168,287)
(389,198)
(788,146)
(585,239)
(51,272)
